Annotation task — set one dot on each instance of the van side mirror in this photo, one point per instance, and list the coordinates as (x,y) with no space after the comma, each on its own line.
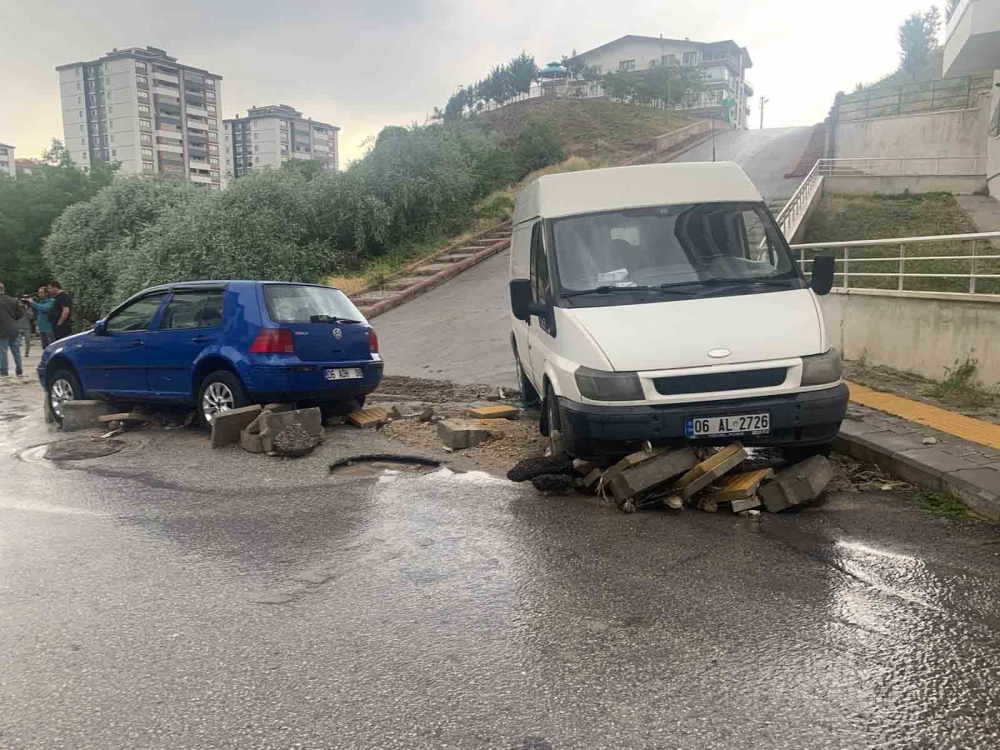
(822,275)
(101,328)
(521,302)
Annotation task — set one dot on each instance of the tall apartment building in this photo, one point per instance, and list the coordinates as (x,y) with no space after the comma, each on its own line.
(270,135)
(723,65)
(144,109)
(7,164)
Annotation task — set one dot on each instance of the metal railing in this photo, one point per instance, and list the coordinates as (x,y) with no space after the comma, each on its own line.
(960,92)
(988,241)
(912,166)
(789,217)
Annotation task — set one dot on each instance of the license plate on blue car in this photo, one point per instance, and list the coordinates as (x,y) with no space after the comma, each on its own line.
(728,425)
(344,373)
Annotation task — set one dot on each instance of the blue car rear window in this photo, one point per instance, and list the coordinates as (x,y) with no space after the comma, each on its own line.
(293,303)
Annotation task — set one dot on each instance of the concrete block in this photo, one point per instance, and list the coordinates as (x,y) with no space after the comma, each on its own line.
(591,481)
(365,418)
(746,504)
(251,442)
(271,423)
(709,470)
(631,460)
(650,474)
(499,411)
(227,425)
(797,484)
(459,433)
(82,415)
(284,406)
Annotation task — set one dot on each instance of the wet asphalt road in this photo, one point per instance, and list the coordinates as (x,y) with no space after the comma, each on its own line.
(171,596)
(461,330)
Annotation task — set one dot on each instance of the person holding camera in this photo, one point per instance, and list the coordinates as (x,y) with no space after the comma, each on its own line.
(41,306)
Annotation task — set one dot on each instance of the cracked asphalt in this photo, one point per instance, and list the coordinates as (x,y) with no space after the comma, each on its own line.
(172,596)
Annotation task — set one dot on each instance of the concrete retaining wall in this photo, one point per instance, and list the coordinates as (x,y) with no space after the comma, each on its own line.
(919,332)
(892,185)
(667,141)
(954,132)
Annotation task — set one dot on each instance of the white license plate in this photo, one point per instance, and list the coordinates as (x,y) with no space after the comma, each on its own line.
(344,373)
(730,424)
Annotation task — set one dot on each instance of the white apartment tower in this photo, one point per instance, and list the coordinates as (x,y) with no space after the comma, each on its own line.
(7,165)
(269,136)
(142,108)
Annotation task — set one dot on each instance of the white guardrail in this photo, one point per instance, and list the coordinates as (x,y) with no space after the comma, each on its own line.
(907,166)
(970,244)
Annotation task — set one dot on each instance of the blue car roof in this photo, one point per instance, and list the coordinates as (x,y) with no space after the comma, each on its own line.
(222,284)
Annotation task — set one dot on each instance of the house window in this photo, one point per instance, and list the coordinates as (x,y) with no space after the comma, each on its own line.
(211,108)
(114,154)
(210,95)
(145,124)
(142,95)
(145,138)
(214,161)
(626,65)
(690,58)
(140,66)
(147,166)
(147,153)
(215,174)
(144,109)
(142,80)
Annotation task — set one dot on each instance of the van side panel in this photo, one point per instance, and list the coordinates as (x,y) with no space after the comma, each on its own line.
(520,268)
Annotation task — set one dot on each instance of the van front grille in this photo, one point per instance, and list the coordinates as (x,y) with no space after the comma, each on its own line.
(721,381)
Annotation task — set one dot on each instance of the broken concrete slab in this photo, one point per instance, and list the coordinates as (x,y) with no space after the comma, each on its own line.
(592,480)
(631,460)
(797,484)
(280,406)
(271,423)
(650,474)
(295,441)
(251,442)
(458,434)
(427,414)
(745,503)
(370,417)
(702,475)
(227,425)
(499,411)
(82,415)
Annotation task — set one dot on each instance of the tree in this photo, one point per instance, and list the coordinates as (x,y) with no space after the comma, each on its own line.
(30,204)
(523,72)
(917,39)
(306,168)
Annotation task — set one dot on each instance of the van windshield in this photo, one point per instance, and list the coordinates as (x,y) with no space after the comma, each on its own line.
(692,247)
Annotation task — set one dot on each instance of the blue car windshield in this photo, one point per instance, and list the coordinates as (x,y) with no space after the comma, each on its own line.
(295,303)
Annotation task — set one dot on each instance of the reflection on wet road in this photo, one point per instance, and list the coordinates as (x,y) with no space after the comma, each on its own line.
(144,607)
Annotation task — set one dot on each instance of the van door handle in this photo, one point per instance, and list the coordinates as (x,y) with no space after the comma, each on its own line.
(200,340)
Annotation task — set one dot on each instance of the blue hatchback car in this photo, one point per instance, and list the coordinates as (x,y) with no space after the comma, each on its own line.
(220,345)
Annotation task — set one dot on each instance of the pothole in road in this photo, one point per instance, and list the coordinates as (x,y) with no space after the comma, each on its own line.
(382,465)
(76,449)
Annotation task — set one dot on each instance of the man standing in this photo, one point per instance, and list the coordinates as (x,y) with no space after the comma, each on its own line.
(10,313)
(24,326)
(42,306)
(61,314)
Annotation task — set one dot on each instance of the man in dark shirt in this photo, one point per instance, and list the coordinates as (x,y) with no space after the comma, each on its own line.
(61,314)
(10,334)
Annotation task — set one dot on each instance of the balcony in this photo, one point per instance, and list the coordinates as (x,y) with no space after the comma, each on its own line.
(169,78)
(169,147)
(167,91)
(973,42)
(200,178)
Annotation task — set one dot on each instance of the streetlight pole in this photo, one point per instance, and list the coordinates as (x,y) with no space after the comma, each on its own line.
(763,100)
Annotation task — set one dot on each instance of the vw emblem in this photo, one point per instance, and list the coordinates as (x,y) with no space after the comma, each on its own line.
(338,334)
(719,353)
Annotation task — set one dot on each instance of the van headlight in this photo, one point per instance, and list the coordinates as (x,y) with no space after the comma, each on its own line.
(822,368)
(608,386)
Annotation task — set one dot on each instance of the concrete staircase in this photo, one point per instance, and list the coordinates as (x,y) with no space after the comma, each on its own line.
(433,270)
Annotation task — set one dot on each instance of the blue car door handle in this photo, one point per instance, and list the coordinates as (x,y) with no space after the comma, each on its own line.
(200,340)
(137,342)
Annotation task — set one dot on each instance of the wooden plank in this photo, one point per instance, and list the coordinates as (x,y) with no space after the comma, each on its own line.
(499,411)
(370,417)
(741,486)
(709,470)
(126,416)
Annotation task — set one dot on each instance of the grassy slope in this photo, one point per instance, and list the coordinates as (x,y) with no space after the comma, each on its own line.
(596,133)
(842,218)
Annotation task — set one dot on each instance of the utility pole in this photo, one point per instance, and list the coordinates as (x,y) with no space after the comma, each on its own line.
(763,100)
(713,139)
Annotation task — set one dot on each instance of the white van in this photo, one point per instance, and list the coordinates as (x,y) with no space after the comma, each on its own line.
(662,303)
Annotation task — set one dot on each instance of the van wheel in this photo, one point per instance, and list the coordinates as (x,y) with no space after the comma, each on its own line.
(221,391)
(63,386)
(529,395)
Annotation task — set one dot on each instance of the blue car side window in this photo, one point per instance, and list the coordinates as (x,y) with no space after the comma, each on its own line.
(137,316)
(193,310)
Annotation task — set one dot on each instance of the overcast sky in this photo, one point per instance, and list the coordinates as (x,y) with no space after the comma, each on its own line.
(363,64)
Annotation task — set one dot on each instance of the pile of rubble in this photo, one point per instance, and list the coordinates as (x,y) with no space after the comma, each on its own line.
(675,477)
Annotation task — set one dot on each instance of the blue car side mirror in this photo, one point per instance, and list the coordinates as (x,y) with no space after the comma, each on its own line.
(101,328)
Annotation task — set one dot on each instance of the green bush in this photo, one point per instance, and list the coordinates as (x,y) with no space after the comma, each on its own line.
(536,145)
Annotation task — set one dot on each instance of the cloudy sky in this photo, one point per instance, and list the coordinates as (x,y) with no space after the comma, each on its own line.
(363,64)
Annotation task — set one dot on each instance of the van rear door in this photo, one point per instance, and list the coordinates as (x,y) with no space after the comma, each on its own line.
(325,324)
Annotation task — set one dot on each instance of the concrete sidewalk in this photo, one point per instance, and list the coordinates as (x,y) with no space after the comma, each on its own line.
(968,470)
